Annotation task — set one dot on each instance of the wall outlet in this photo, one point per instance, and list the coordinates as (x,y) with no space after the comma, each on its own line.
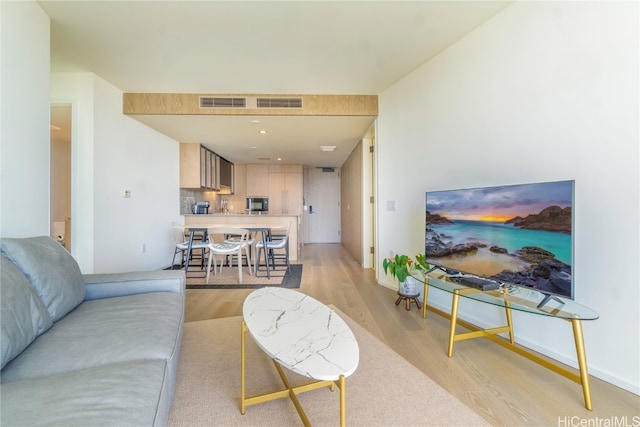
(126,194)
(392,253)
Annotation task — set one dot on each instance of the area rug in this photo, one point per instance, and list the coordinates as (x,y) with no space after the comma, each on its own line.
(228,279)
(385,389)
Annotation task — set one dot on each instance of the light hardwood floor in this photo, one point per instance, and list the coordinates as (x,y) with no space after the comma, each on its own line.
(502,387)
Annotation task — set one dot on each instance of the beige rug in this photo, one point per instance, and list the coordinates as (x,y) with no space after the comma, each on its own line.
(385,390)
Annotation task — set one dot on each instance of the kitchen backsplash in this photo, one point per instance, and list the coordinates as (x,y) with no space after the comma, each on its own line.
(235,203)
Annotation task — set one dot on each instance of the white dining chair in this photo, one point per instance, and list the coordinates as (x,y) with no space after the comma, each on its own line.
(248,247)
(181,245)
(277,249)
(181,242)
(227,241)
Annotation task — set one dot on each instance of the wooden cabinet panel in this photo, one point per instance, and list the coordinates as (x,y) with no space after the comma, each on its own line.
(200,168)
(190,166)
(283,184)
(258,180)
(285,189)
(240,180)
(294,189)
(277,196)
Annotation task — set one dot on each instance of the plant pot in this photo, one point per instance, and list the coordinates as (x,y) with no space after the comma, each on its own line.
(411,286)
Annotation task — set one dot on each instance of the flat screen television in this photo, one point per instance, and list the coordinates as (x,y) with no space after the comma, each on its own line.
(511,234)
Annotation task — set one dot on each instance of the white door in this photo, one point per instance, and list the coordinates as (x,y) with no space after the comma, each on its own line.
(323,205)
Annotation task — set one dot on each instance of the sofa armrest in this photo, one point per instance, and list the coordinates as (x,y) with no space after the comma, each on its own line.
(100,286)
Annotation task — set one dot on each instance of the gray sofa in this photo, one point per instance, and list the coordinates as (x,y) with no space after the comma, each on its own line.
(85,349)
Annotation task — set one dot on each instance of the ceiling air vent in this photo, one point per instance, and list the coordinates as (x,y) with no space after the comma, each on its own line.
(216,102)
(279,103)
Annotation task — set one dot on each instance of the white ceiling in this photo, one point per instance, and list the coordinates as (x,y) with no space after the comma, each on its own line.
(258,47)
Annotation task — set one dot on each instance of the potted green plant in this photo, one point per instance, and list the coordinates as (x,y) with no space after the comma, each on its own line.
(404,268)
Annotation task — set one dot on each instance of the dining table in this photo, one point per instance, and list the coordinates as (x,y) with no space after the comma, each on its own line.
(264,229)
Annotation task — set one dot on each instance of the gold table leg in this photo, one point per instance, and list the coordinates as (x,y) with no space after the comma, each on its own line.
(454,318)
(242,371)
(343,401)
(290,392)
(582,361)
(425,295)
(507,312)
(582,378)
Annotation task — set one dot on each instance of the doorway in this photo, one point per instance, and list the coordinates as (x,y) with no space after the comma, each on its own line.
(322,205)
(60,174)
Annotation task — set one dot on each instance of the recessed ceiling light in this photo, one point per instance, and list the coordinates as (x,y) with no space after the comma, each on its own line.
(253,148)
(256,121)
(279,159)
(328,147)
(262,132)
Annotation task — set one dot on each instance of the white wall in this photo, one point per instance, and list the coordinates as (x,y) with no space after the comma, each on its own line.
(24,123)
(111,153)
(132,156)
(544,91)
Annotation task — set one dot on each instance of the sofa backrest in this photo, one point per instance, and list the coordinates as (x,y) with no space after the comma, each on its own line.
(53,273)
(23,315)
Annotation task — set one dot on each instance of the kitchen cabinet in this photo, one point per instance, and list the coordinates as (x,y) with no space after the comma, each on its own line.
(286,189)
(192,166)
(226,176)
(258,180)
(201,168)
(240,180)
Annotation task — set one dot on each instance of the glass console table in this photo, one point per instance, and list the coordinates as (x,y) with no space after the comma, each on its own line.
(510,298)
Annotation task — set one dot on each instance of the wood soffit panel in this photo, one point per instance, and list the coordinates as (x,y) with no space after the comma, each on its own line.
(189,104)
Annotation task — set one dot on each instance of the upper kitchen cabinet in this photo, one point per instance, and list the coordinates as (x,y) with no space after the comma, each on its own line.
(201,168)
(226,176)
(257,180)
(193,166)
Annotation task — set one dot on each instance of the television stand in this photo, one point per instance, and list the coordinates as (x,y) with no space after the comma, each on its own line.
(520,299)
(546,299)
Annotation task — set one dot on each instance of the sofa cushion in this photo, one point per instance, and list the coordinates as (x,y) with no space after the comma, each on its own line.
(120,394)
(22,315)
(52,271)
(100,332)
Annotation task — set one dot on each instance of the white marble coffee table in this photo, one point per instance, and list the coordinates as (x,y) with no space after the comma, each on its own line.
(302,335)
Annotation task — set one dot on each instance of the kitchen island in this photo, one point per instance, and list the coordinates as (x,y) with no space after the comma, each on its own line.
(271,219)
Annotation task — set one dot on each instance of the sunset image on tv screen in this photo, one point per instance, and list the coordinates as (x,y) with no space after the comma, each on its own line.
(519,234)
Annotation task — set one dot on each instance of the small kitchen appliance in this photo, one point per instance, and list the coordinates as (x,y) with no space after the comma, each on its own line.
(201,208)
(257,204)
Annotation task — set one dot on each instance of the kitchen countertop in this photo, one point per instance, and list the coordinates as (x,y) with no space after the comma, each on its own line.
(240,214)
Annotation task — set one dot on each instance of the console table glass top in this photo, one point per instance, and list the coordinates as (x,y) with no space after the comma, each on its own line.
(518,298)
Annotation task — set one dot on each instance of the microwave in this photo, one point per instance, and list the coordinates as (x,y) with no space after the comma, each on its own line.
(257,204)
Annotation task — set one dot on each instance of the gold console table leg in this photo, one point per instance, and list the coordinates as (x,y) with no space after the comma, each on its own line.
(425,294)
(454,319)
(582,361)
(507,312)
(582,378)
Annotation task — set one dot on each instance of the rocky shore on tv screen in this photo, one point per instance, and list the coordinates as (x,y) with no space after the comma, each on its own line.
(515,234)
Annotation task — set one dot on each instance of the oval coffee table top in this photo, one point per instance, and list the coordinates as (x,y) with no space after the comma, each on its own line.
(302,334)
